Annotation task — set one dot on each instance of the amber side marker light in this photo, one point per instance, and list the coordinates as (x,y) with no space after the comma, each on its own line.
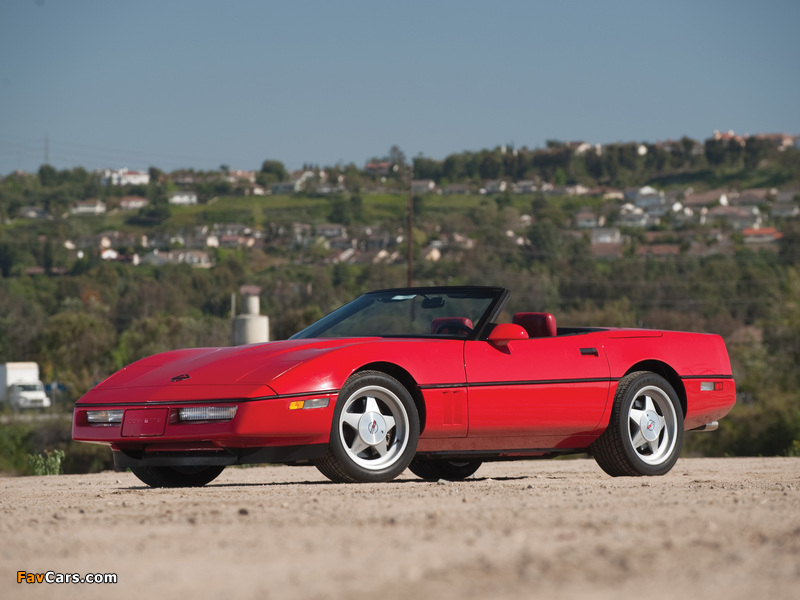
(207,413)
(306,404)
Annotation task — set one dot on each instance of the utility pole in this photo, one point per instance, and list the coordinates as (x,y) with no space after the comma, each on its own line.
(46,149)
(410,228)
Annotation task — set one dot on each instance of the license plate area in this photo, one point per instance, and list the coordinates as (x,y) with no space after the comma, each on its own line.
(145,422)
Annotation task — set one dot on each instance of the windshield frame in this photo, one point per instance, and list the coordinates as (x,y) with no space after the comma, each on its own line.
(497,297)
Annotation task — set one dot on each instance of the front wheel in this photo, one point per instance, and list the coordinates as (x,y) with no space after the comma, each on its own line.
(174,477)
(645,433)
(374,432)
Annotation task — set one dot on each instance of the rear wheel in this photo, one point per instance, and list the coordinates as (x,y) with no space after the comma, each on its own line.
(374,433)
(450,470)
(645,433)
(177,476)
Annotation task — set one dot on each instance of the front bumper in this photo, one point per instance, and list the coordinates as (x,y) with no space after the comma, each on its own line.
(181,457)
(262,430)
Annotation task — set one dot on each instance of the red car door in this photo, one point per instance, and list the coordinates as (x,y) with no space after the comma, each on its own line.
(536,393)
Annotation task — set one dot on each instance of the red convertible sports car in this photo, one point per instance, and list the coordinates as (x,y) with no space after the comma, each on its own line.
(421,378)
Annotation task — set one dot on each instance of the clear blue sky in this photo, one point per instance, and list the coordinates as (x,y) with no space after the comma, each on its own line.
(200,83)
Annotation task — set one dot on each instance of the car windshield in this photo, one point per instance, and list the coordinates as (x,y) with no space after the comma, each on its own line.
(411,312)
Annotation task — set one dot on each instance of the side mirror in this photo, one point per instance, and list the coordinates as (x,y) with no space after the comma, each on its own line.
(504,333)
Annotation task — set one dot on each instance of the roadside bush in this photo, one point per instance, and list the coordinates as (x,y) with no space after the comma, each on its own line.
(47,463)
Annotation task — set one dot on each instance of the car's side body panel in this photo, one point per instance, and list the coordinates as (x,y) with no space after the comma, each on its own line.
(544,390)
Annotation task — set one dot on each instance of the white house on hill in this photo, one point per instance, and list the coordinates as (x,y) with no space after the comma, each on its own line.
(185,198)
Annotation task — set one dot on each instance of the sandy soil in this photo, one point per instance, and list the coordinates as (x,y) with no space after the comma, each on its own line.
(712,528)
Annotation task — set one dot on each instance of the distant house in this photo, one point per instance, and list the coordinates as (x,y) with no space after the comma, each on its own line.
(577,190)
(647,197)
(124,177)
(302,233)
(294,185)
(581,147)
(371,239)
(423,186)
(456,188)
(784,210)
(613,195)
(496,186)
(706,198)
(330,188)
(114,239)
(32,212)
(238,175)
(782,141)
(232,241)
(606,235)
(761,235)
(378,168)
(632,216)
(195,258)
(88,207)
(659,250)
(683,216)
(588,219)
(736,217)
(332,230)
(607,250)
(526,186)
(133,202)
(754,197)
(285,187)
(183,198)
(787,196)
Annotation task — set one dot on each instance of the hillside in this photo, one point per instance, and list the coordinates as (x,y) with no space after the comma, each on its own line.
(86,292)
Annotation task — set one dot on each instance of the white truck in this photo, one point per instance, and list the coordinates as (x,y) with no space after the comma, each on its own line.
(21,387)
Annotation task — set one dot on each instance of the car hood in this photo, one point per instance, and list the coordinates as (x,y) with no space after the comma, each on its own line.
(211,373)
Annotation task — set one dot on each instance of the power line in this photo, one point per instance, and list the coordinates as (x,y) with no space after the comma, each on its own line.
(68,152)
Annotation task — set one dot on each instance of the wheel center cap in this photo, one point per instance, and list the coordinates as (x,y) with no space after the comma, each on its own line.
(650,425)
(372,428)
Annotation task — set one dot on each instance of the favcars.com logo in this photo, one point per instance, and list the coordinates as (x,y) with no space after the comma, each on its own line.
(53,577)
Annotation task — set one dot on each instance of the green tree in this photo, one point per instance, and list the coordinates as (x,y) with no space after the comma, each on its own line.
(427,168)
(715,152)
(755,150)
(48,176)
(78,347)
(272,171)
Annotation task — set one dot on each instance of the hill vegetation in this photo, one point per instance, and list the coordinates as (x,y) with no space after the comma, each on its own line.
(82,317)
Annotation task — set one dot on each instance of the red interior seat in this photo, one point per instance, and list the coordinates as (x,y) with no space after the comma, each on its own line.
(536,324)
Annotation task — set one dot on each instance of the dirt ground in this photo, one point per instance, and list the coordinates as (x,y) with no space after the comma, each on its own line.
(712,528)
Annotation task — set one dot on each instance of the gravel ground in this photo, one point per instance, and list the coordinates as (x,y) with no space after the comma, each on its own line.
(712,528)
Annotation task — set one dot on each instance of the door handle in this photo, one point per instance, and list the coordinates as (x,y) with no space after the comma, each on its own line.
(589,352)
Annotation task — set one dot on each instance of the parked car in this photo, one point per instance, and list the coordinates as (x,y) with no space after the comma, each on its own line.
(421,378)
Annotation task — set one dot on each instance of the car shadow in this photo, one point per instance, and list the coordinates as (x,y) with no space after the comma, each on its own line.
(333,483)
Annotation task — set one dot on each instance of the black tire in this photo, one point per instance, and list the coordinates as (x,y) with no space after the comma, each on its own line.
(645,433)
(374,432)
(449,470)
(175,477)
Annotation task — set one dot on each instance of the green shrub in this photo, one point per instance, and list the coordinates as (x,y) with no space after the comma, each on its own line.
(47,463)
